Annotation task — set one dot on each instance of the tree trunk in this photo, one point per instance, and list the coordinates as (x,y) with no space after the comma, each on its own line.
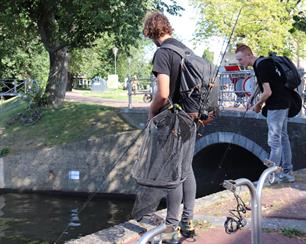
(70,81)
(58,74)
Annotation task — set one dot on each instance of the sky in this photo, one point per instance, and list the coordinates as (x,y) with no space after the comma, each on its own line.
(184,27)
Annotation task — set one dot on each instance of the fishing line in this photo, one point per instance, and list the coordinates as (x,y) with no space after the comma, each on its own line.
(125,151)
(228,149)
(216,70)
(228,42)
(94,194)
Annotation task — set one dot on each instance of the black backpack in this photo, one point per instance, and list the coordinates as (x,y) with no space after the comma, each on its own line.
(196,90)
(285,69)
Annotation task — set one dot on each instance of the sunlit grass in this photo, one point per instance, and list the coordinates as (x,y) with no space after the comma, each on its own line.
(71,122)
(114,94)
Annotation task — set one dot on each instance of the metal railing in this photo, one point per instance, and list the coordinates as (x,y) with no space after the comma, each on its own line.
(14,87)
(134,89)
(236,87)
(149,235)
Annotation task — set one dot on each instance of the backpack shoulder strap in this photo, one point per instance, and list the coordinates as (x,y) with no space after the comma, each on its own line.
(183,52)
(261,58)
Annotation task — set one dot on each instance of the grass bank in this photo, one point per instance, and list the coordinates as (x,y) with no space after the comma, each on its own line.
(71,122)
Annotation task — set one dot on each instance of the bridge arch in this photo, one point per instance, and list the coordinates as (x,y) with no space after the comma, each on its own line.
(213,162)
(233,138)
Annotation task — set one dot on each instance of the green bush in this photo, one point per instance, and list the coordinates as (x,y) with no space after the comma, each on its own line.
(4,152)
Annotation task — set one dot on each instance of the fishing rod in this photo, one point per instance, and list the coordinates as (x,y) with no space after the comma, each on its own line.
(227,45)
(216,70)
(138,136)
(229,147)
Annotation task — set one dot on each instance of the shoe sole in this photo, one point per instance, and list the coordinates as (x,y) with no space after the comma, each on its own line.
(189,234)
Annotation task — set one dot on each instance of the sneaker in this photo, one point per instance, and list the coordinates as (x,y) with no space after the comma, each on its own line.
(187,229)
(173,237)
(286,178)
(151,219)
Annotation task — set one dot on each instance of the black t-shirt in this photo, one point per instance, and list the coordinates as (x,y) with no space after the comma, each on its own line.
(167,62)
(266,72)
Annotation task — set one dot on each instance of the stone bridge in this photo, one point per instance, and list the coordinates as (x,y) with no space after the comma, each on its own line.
(234,145)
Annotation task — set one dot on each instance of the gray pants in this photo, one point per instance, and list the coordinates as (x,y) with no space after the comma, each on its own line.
(186,192)
(278,139)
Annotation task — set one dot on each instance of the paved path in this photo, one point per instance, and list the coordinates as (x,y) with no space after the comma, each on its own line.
(283,208)
(77,97)
(284,213)
(284,218)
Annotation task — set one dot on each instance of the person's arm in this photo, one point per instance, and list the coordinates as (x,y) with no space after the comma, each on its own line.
(267,92)
(161,95)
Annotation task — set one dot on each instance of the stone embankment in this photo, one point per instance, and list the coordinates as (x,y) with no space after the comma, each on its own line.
(93,165)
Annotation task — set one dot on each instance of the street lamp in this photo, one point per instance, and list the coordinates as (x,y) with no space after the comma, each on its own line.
(115,51)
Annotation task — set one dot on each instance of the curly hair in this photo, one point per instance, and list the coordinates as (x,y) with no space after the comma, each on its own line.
(240,47)
(156,25)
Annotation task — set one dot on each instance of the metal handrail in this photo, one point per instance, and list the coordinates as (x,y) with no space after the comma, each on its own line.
(12,87)
(256,217)
(152,233)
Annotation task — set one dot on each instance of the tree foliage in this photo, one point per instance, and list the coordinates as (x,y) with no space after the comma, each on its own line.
(22,54)
(208,55)
(92,61)
(300,21)
(63,25)
(263,24)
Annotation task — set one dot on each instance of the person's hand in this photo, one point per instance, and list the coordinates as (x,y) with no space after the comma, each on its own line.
(210,118)
(257,107)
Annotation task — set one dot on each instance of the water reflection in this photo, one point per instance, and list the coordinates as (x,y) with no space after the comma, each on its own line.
(43,218)
(74,220)
(2,204)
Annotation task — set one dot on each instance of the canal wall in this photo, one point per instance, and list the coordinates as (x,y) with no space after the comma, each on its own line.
(94,165)
(101,165)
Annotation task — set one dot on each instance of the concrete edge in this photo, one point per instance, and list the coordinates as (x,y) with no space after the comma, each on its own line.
(129,230)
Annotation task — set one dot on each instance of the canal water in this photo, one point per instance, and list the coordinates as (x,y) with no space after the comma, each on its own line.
(40,218)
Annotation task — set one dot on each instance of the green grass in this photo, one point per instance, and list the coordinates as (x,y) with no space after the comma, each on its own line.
(115,94)
(69,123)
(293,233)
(10,107)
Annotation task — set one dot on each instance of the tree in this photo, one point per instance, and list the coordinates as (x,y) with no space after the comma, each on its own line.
(63,25)
(94,60)
(208,55)
(300,21)
(139,65)
(263,24)
(22,54)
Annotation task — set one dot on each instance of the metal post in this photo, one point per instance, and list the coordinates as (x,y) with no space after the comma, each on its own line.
(256,239)
(129,87)
(152,233)
(260,185)
(15,86)
(153,84)
(129,83)
(301,90)
(115,51)
(255,198)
